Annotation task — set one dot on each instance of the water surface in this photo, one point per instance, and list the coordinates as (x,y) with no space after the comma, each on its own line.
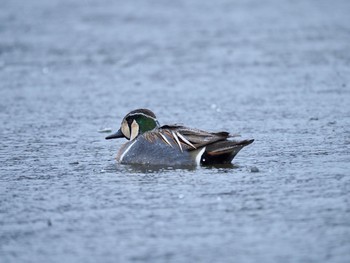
(276,71)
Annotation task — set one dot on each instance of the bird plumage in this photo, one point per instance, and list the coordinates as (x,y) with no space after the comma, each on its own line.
(172,144)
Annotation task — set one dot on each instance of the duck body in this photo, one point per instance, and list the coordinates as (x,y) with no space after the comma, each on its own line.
(172,145)
(142,151)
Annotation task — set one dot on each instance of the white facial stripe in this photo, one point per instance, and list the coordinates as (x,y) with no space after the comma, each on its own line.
(140,113)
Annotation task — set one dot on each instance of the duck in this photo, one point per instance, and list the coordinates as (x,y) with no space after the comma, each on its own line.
(172,145)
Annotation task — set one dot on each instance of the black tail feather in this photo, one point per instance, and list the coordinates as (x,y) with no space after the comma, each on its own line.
(223,152)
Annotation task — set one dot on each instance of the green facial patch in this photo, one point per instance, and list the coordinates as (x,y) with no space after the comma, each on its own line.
(145,123)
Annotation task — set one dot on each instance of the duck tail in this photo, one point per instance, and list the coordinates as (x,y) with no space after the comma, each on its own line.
(222,152)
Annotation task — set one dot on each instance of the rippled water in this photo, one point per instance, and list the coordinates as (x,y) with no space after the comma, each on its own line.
(275,71)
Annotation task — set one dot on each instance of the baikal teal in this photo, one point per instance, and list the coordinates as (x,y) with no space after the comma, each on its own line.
(172,145)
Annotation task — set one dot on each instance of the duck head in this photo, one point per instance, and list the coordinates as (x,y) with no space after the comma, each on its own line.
(135,123)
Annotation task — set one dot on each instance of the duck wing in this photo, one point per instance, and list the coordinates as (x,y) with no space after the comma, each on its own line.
(189,138)
(204,147)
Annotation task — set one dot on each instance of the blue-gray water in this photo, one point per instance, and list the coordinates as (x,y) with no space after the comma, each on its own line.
(276,71)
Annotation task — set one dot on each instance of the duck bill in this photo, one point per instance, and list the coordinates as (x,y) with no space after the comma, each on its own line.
(116,135)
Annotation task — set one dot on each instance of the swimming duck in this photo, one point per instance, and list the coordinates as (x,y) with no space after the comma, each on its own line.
(172,145)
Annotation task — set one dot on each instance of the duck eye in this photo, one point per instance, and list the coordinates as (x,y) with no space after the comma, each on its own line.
(129,121)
